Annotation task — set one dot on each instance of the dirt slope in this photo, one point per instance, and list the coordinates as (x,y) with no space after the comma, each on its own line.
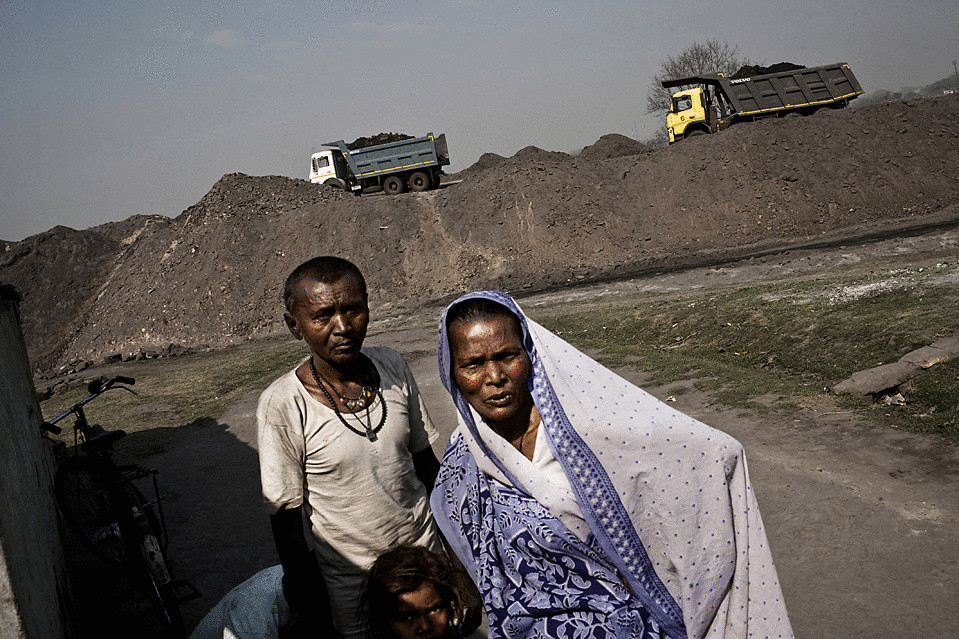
(537,219)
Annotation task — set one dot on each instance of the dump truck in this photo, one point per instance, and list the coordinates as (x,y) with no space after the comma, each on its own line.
(716,102)
(414,164)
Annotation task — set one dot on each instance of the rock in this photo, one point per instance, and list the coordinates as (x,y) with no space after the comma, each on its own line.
(874,381)
(894,400)
(939,351)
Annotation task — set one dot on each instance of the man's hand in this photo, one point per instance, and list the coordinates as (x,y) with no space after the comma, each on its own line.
(468,617)
(307,619)
(427,467)
(303,584)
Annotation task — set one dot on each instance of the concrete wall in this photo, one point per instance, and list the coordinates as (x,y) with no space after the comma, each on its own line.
(33,580)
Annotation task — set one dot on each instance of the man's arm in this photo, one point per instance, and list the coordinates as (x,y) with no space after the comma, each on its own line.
(422,431)
(427,467)
(303,584)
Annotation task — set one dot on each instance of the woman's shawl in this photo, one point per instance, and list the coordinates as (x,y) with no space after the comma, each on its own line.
(666,498)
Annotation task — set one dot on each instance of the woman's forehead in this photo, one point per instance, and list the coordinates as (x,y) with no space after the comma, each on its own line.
(470,331)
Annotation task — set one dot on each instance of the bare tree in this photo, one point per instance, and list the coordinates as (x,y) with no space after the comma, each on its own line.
(711,56)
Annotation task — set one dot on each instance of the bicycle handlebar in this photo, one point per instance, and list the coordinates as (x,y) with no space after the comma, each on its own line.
(96,389)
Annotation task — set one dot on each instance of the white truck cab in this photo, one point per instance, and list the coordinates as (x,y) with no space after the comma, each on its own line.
(328,167)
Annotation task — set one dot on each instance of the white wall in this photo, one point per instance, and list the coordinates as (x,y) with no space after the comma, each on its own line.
(33,581)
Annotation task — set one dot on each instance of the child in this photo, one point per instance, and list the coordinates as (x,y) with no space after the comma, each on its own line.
(412,593)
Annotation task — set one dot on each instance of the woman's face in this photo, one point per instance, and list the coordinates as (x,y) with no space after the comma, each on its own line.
(420,614)
(491,368)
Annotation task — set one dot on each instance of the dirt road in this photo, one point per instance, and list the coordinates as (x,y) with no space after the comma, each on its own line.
(862,522)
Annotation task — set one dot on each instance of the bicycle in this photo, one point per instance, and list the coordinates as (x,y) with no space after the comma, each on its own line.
(102,504)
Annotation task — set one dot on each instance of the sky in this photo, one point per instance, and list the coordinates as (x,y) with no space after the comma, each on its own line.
(115,108)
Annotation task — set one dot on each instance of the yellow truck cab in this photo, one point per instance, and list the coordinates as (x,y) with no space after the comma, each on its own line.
(686,109)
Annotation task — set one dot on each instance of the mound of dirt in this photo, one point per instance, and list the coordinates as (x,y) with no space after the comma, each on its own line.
(612,145)
(535,154)
(486,162)
(536,220)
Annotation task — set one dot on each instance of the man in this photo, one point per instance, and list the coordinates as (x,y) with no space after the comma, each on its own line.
(344,441)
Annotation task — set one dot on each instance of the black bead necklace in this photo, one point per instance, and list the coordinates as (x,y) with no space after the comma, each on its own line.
(370,431)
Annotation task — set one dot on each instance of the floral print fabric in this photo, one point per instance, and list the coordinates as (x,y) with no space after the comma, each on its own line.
(536,578)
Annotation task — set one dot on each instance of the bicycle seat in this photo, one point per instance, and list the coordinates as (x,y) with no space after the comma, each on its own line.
(103,440)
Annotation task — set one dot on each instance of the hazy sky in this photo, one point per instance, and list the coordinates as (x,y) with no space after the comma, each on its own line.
(108,109)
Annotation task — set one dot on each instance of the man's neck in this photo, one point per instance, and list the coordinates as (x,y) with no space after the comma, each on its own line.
(354,371)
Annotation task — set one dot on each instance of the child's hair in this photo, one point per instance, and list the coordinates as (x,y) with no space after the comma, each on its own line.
(401,570)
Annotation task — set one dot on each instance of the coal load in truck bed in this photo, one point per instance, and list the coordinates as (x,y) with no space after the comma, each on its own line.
(753,70)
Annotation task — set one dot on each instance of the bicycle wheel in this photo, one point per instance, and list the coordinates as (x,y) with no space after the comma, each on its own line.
(153,562)
(157,575)
(165,601)
(86,505)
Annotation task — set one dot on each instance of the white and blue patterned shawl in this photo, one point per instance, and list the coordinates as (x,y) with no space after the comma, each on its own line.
(666,498)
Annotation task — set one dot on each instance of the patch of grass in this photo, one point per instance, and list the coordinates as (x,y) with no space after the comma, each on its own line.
(778,344)
(933,402)
(790,339)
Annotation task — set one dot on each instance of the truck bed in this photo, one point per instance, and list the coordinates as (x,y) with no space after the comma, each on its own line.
(804,87)
(404,155)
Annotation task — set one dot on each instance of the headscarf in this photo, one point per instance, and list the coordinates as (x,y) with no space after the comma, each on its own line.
(666,497)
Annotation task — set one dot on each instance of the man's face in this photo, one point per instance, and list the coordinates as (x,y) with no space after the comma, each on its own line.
(330,318)
(420,614)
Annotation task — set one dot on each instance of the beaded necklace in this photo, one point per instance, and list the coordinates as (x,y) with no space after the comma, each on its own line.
(368,426)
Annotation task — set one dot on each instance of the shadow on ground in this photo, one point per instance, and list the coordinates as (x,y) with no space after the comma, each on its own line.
(218,533)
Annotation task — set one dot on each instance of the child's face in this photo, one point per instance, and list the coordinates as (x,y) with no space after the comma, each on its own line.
(420,614)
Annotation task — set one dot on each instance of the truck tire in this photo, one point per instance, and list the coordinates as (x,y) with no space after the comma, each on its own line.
(393,185)
(336,183)
(419,181)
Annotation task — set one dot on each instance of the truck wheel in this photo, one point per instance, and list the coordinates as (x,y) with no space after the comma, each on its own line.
(336,183)
(695,132)
(419,182)
(393,185)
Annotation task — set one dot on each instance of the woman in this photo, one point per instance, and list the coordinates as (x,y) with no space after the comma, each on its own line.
(581,505)
(413,593)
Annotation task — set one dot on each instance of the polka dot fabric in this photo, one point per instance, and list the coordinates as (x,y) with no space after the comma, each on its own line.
(667,497)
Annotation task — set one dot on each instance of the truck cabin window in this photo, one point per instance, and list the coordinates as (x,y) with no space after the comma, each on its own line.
(320,163)
(682,103)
